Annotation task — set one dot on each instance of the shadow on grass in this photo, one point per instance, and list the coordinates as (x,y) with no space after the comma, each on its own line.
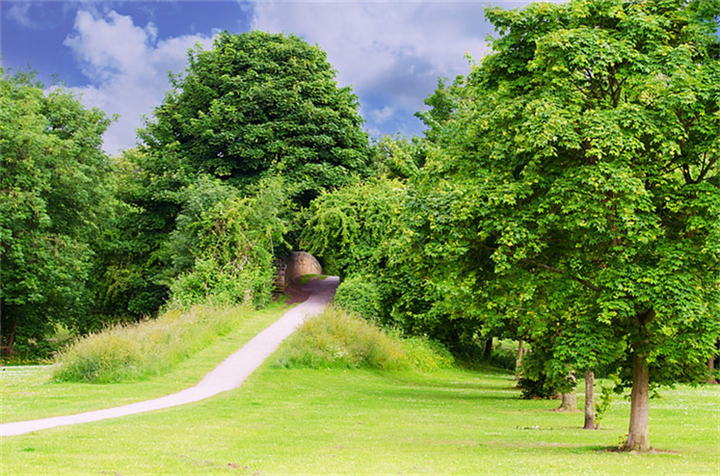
(404,386)
(491,383)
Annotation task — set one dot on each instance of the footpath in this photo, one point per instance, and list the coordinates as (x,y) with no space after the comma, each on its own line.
(227,376)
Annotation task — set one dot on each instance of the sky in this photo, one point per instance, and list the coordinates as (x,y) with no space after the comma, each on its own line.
(116,55)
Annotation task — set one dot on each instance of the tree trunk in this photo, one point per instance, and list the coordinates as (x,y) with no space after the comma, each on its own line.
(638,433)
(711,369)
(518,360)
(10,348)
(569,400)
(589,400)
(488,349)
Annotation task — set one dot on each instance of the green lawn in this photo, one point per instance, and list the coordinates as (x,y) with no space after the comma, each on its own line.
(356,422)
(26,392)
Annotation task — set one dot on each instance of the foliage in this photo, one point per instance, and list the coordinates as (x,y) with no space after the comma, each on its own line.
(224,245)
(261,104)
(572,195)
(52,203)
(537,387)
(337,339)
(254,121)
(133,278)
(358,294)
(347,226)
(131,352)
(394,157)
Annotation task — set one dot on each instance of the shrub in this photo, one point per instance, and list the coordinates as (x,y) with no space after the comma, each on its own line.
(338,339)
(137,351)
(537,387)
(358,294)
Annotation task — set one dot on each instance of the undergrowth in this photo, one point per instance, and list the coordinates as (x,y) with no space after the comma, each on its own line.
(130,352)
(337,339)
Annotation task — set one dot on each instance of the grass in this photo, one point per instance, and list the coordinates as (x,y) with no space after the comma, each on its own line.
(302,421)
(22,388)
(359,421)
(338,339)
(306,278)
(150,348)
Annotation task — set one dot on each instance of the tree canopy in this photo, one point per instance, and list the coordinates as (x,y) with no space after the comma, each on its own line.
(53,199)
(576,184)
(258,104)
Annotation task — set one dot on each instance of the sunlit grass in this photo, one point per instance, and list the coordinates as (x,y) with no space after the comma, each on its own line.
(29,392)
(130,352)
(347,421)
(302,421)
(338,339)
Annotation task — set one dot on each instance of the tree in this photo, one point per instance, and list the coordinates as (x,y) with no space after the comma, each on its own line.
(347,227)
(261,104)
(580,167)
(222,249)
(52,204)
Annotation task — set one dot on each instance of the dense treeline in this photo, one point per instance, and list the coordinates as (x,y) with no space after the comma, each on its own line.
(565,194)
(199,211)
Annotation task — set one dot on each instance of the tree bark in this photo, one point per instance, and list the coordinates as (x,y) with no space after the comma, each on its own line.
(569,400)
(711,369)
(589,400)
(10,348)
(488,349)
(638,433)
(518,360)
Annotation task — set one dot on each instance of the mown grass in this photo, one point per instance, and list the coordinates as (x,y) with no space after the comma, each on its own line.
(366,421)
(304,421)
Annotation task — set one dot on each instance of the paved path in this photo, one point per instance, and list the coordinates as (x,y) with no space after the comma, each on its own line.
(226,376)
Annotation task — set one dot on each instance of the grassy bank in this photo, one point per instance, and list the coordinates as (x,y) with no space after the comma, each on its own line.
(138,351)
(361,421)
(29,393)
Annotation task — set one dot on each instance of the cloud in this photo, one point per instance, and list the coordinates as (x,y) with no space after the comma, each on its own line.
(391,52)
(128,67)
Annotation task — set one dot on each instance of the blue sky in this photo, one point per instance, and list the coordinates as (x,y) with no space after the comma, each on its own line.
(117,55)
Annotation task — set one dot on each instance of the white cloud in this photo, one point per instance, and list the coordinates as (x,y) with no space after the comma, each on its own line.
(20,13)
(391,52)
(128,67)
(382,115)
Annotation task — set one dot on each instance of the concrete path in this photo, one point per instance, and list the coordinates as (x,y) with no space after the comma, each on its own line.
(226,376)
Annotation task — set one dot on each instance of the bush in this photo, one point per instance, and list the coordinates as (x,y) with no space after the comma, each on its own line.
(137,351)
(537,387)
(359,294)
(338,339)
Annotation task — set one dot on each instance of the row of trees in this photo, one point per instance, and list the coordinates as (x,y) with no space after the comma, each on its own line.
(199,211)
(565,194)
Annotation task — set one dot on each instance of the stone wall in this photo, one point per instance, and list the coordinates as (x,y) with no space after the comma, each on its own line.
(299,264)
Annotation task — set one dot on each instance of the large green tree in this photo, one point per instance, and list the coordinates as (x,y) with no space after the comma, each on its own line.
(575,186)
(52,200)
(254,107)
(257,104)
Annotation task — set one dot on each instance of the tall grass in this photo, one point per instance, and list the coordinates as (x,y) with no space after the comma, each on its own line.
(338,339)
(131,352)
